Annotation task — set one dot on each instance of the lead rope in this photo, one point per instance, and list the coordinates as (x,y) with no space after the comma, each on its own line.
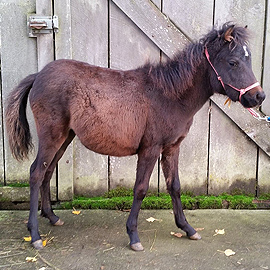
(242,91)
(258,116)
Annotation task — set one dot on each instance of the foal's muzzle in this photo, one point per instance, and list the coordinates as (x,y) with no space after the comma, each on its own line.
(253,97)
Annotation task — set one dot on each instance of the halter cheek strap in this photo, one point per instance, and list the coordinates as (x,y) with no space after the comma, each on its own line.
(242,91)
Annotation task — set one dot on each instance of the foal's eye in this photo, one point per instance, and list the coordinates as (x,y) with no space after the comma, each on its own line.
(233,63)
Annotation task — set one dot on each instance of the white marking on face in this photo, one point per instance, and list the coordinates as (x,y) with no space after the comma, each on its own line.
(245,49)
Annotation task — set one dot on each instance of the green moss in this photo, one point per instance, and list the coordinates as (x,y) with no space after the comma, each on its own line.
(18,184)
(121,199)
(210,202)
(264,196)
(118,192)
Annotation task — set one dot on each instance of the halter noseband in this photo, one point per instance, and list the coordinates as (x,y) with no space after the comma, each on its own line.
(242,91)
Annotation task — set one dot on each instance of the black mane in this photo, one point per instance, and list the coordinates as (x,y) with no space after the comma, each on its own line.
(176,74)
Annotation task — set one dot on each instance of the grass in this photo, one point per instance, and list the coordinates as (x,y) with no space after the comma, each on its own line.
(121,199)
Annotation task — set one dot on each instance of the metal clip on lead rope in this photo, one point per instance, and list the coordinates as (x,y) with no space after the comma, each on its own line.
(258,117)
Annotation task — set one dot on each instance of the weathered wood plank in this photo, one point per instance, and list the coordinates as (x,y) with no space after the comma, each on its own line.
(89,33)
(2,151)
(188,16)
(264,162)
(154,24)
(266,64)
(232,160)
(129,48)
(45,46)
(18,59)
(63,49)
(89,39)
(263,173)
(63,43)
(257,131)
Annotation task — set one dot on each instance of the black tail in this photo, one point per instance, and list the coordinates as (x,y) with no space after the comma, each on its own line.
(20,140)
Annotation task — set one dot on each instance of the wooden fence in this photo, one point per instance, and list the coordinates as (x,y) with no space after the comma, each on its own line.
(226,150)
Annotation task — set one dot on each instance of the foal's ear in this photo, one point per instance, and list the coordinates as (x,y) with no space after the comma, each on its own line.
(228,34)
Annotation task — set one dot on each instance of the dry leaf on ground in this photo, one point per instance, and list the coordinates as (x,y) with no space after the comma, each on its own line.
(227,252)
(217,231)
(31,259)
(179,235)
(199,229)
(151,219)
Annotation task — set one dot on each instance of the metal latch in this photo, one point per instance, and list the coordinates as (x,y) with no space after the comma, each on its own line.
(42,25)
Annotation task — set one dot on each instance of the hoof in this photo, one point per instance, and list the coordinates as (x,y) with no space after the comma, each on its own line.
(59,222)
(195,236)
(38,244)
(137,247)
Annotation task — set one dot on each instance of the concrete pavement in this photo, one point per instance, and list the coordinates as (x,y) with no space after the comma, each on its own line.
(96,239)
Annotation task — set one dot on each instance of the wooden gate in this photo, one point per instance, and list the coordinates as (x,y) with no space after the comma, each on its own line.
(227,150)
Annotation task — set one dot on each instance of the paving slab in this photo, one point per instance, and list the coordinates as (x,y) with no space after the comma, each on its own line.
(97,239)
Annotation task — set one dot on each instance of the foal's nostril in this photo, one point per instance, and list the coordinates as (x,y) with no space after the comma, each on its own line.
(260,96)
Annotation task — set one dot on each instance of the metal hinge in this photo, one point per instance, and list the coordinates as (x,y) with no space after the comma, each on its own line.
(42,25)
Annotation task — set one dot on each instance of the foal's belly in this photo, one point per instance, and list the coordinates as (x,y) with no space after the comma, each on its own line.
(110,135)
(109,145)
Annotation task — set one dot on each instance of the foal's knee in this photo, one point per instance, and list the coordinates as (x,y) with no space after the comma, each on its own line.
(174,188)
(140,192)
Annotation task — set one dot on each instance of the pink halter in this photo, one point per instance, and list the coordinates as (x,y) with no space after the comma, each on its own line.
(242,91)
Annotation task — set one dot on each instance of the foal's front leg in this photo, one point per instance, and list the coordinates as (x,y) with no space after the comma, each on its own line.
(169,164)
(145,166)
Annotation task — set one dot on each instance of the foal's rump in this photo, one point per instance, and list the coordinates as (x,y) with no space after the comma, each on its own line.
(105,108)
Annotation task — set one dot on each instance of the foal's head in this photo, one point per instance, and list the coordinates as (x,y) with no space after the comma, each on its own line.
(231,71)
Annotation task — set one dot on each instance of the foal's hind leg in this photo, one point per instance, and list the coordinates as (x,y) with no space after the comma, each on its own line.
(46,153)
(169,164)
(46,209)
(146,162)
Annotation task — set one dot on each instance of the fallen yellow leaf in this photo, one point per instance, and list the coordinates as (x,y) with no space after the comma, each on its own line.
(27,238)
(31,259)
(76,212)
(44,242)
